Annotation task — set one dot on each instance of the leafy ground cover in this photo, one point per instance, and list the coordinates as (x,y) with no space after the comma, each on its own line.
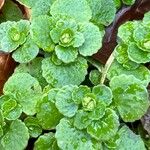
(59,93)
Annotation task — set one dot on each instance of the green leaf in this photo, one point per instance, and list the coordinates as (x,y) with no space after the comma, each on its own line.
(46,142)
(95,77)
(81,120)
(129,140)
(79,93)
(142,37)
(47,114)
(98,112)
(41,7)
(146,19)
(25,89)
(137,55)
(1,118)
(129,92)
(34,69)
(141,73)
(128,2)
(125,31)
(33,126)
(40,32)
(78,39)
(103,12)
(58,76)
(11,110)
(122,57)
(15,35)
(64,102)
(117,3)
(66,54)
(27,3)
(103,93)
(77,9)
(27,52)
(17,136)
(52,94)
(93,39)
(106,127)
(69,138)
(10,11)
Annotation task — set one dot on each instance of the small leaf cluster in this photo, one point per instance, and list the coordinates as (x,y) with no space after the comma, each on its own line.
(133,48)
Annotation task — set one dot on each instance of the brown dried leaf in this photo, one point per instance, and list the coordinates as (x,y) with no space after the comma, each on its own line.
(1,3)
(7,66)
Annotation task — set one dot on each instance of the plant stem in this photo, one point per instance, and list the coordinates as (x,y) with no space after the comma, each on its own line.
(106,67)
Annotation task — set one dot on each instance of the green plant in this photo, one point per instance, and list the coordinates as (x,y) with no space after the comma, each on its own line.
(51,96)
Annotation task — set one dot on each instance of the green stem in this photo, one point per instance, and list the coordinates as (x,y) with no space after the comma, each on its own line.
(107,66)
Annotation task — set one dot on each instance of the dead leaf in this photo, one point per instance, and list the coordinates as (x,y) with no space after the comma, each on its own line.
(7,66)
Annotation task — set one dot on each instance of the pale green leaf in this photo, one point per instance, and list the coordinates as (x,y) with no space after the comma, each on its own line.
(81,119)
(34,69)
(142,73)
(79,93)
(130,97)
(66,54)
(27,52)
(77,9)
(106,127)
(64,102)
(41,7)
(40,32)
(121,56)
(17,136)
(129,140)
(69,138)
(58,76)
(93,39)
(25,89)
(125,31)
(103,93)
(137,55)
(103,11)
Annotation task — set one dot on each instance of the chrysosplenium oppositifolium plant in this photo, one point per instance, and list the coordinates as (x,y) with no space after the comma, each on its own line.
(52,99)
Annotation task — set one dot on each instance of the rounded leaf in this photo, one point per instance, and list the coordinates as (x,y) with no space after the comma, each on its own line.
(17,136)
(33,126)
(64,102)
(40,32)
(106,127)
(69,138)
(127,92)
(64,74)
(103,93)
(142,73)
(26,52)
(137,55)
(79,93)
(66,54)
(93,39)
(26,91)
(77,9)
(46,142)
(47,114)
(81,119)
